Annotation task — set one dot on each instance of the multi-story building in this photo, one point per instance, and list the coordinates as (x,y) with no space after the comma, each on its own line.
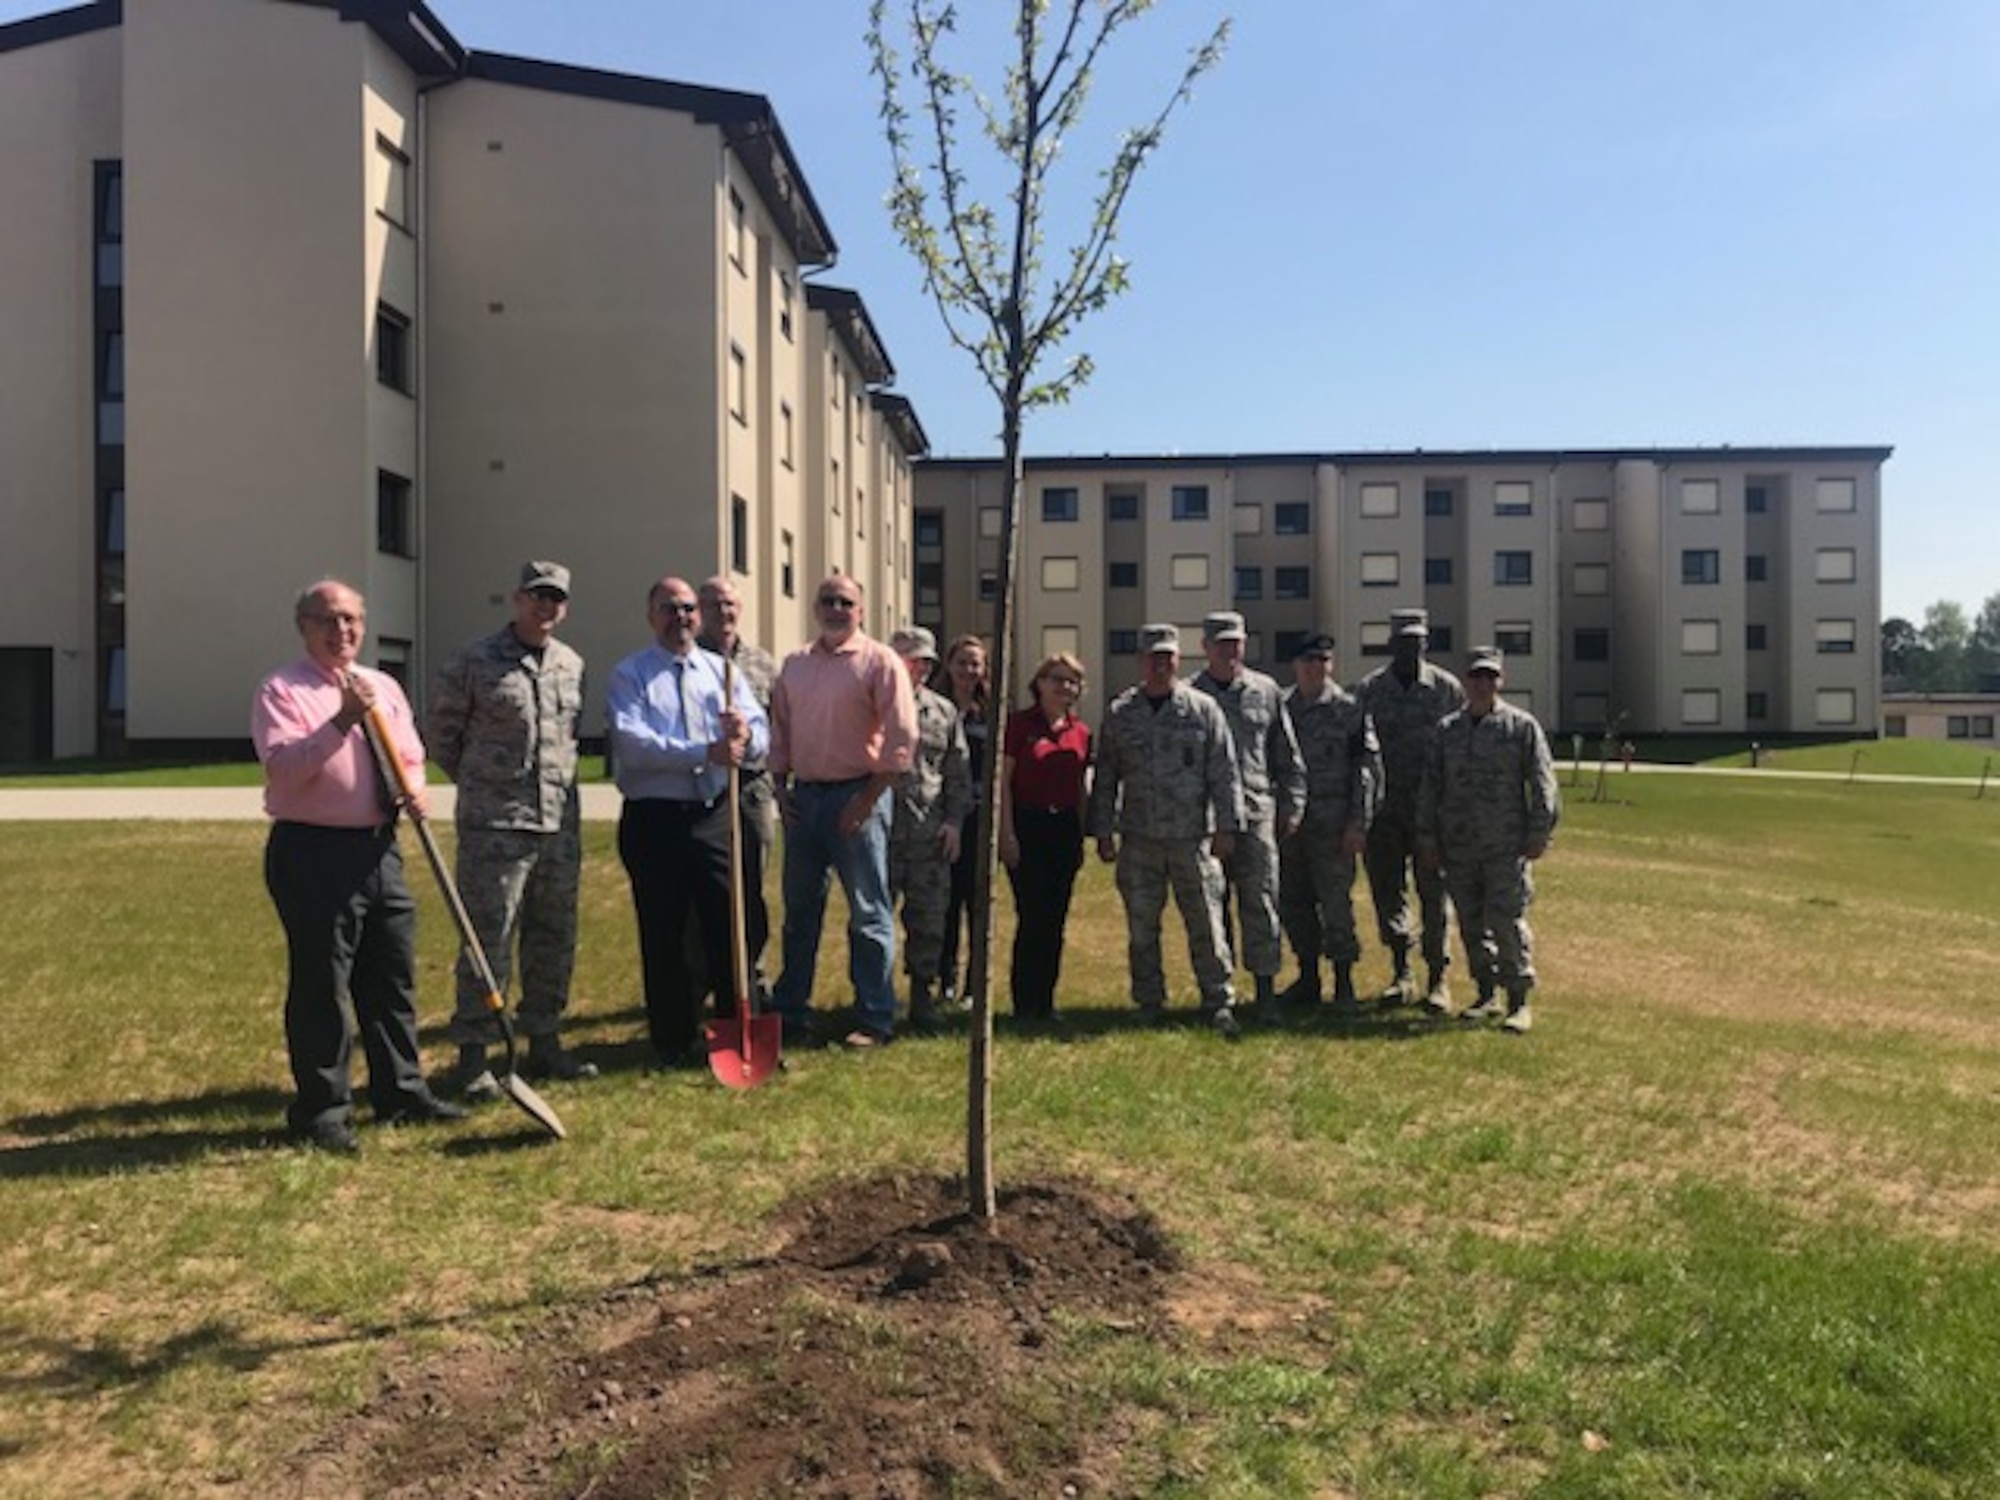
(298,289)
(1706,590)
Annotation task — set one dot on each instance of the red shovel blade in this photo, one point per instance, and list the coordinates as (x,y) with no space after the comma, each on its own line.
(742,1054)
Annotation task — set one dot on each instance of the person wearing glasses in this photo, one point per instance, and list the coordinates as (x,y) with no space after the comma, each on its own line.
(501,721)
(675,732)
(843,732)
(335,874)
(1045,759)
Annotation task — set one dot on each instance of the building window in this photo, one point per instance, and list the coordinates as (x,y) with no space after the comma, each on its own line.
(1958,727)
(1895,727)
(1833,496)
(1123,575)
(786,295)
(930,528)
(1291,518)
(1379,502)
(1291,583)
(112,543)
(1701,706)
(785,450)
(1833,706)
(114,680)
(1249,583)
(1833,637)
(1375,638)
(392,348)
(110,224)
(739,383)
(1513,497)
(1834,565)
(392,183)
(1591,645)
(834,491)
(1437,570)
(739,534)
(1756,638)
(1441,639)
(739,232)
(395,515)
(1381,570)
(111,367)
(1756,705)
(1513,569)
(1060,640)
(788,574)
(1589,580)
(1701,637)
(1701,497)
(1121,505)
(1756,568)
(1590,515)
(1515,637)
(1982,726)
(1246,519)
(1122,643)
(392,658)
(1061,575)
(1059,504)
(1189,571)
(1701,565)
(1190,502)
(1756,499)
(989,522)
(989,584)
(1437,501)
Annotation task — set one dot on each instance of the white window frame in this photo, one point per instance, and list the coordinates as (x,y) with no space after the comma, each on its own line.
(1188,570)
(1834,706)
(1381,569)
(1835,637)
(1701,707)
(1832,497)
(1701,637)
(1701,497)
(1062,575)
(1246,519)
(1834,565)
(1590,515)
(1381,501)
(989,522)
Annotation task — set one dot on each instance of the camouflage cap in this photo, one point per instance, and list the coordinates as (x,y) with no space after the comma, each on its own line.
(1416,622)
(914,642)
(1487,659)
(1223,625)
(545,575)
(1159,638)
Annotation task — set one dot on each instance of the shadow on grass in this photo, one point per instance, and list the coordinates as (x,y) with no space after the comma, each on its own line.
(101,1139)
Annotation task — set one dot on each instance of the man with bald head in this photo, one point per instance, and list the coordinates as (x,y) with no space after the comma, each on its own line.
(335,874)
(675,733)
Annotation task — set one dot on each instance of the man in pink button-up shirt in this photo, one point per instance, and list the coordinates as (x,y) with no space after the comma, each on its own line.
(843,729)
(336,875)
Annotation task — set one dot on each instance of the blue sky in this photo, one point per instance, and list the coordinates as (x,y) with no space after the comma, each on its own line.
(1467,223)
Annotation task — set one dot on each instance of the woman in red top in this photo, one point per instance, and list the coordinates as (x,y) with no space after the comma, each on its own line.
(1045,757)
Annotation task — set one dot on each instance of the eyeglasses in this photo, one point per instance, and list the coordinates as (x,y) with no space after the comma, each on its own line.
(679,607)
(837,601)
(337,617)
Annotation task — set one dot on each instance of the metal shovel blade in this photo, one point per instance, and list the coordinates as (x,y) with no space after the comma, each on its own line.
(742,1053)
(517,1088)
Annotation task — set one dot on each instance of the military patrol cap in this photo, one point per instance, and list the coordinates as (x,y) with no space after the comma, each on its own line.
(1223,625)
(1487,659)
(545,575)
(1159,638)
(914,642)
(1319,644)
(1416,622)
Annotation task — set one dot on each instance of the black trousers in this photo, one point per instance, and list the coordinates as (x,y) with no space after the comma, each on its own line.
(350,928)
(676,855)
(958,913)
(1051,854)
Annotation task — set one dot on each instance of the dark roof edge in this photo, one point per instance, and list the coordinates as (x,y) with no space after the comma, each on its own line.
(101,15)
(848,315)
(408,28)
(747,121)
(1437,458)
(902,419)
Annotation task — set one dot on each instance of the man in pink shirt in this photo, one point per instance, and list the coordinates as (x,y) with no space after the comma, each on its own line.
(336,875)
(843,729)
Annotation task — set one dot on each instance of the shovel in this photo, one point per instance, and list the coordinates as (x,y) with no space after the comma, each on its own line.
(512,1084)
(742,1052)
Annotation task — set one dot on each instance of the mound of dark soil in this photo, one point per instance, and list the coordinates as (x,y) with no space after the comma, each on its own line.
(894,1347)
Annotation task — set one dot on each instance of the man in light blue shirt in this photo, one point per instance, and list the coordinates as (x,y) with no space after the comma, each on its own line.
(674,736)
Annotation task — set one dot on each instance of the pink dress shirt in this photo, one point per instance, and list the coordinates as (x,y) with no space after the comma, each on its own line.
(841,713)
(312,772)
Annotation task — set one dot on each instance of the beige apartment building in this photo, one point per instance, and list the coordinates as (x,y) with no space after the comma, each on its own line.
(295,289)
(1704,590)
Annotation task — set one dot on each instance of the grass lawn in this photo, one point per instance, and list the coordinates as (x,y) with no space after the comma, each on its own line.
(1727,1223)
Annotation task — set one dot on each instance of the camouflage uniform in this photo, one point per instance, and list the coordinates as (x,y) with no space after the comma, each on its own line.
(1165,777)
(1343,784)
(502,723)
(935,793)
(1405,719)
(1267,761)
(1489,794)
(759,832)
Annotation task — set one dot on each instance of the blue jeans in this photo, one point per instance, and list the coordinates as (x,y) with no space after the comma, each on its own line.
(815,850)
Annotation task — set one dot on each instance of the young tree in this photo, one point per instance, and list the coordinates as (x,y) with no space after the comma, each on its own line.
(978,237)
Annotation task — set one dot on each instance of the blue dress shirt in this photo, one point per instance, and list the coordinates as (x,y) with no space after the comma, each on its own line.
(665,712)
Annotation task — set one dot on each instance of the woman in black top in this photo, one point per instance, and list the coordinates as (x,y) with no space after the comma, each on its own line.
(965,684)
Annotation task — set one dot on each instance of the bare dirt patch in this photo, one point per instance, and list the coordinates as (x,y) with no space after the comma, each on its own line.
(892,1347)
